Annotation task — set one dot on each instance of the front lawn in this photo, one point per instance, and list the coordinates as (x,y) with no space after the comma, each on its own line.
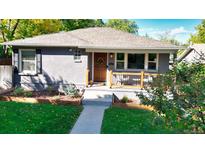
(132,121)
(25,118)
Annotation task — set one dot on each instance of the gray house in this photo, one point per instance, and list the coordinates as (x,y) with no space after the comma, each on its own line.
(193,53)
(87,56)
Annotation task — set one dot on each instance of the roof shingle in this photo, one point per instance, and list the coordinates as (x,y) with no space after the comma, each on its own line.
(97,37)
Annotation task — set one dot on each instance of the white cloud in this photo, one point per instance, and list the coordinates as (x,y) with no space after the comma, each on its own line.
(179,30)
(179,33)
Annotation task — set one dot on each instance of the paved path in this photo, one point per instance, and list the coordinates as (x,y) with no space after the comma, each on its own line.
(90,119)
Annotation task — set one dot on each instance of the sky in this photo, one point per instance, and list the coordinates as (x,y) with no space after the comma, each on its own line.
(179,29)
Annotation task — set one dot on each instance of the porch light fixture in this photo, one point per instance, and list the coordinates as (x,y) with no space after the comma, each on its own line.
(111,55)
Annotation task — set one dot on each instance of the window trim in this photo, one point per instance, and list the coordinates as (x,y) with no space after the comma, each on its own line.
(77,53)
(145,62)
(157,62)
(20,63)
(116,61)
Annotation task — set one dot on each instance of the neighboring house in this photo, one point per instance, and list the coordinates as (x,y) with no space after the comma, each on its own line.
(67,57)
(193,53)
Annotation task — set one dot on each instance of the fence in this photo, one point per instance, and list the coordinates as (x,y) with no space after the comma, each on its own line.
(6,76)
(5,61)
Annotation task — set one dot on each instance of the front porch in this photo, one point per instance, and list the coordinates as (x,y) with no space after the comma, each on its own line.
(130,69)
(122,80)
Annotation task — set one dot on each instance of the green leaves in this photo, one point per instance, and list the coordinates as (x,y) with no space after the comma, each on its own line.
(180,95)
(124,25)
(199,37)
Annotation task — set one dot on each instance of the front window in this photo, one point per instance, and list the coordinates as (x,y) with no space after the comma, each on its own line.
(152,61)
(136,61)
(120,60)
(28,61)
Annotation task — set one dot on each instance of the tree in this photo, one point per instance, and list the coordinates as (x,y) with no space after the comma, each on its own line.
(123,24)
(8,28)
(72,24)
(100,23)
(33,27)
(199,37)
(11,29)
(167,38)
(147,36)
(179,97)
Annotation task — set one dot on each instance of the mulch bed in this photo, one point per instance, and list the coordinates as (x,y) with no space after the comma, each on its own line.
(43,97)
(131,104)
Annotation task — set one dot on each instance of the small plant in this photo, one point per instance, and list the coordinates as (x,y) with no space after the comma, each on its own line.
(21,92)
(69,90)
(28,94)
(125,99)
(50,89)
(18,91)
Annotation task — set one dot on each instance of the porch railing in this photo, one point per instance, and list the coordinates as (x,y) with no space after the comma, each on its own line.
(138,79)
(87,77)
(120,79)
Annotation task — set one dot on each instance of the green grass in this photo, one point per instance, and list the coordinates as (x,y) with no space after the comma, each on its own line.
(25,118)
(132,121)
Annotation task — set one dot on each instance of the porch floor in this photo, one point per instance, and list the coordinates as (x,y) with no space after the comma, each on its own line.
(114,89)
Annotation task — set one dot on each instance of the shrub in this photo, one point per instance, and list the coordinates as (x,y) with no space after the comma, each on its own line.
(21,92)
(18,91)
(70,90)
(125,99)
(50,89)
(28,94)
(179,96)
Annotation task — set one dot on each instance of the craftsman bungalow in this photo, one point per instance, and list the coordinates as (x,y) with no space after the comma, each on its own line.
(88,56)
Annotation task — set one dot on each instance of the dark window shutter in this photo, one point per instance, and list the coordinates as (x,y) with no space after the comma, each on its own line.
(38,61)
(16,60)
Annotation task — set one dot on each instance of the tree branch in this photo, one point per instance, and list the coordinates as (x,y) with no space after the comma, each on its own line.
(2,32)
(15,27)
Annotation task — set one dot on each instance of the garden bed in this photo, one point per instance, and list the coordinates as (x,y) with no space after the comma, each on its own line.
(42,97)
(133,106)
(130,104)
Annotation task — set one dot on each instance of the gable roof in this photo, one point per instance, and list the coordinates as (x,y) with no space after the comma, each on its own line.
(95,37)
(198,48)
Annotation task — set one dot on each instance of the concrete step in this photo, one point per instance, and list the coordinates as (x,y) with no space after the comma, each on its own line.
(97,98)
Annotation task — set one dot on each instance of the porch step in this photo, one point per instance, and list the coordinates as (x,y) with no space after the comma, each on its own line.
(104,93)
(92,97)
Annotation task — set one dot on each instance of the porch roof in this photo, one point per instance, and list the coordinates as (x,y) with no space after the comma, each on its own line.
(97,37)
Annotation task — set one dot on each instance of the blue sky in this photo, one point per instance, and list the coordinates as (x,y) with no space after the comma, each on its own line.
(180,29)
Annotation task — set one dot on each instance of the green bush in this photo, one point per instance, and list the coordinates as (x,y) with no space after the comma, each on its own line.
(18,91)
(21,92)
(28,94)
(179,96)
(70,90)
(50,89)
(125,99)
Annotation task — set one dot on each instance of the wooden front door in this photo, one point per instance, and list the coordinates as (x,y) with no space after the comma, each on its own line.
(100,67)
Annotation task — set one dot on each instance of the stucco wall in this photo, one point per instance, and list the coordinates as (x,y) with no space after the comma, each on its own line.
(163,63)
(58,66)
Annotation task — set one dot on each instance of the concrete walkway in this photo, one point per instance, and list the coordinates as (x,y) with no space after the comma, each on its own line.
(90,119)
